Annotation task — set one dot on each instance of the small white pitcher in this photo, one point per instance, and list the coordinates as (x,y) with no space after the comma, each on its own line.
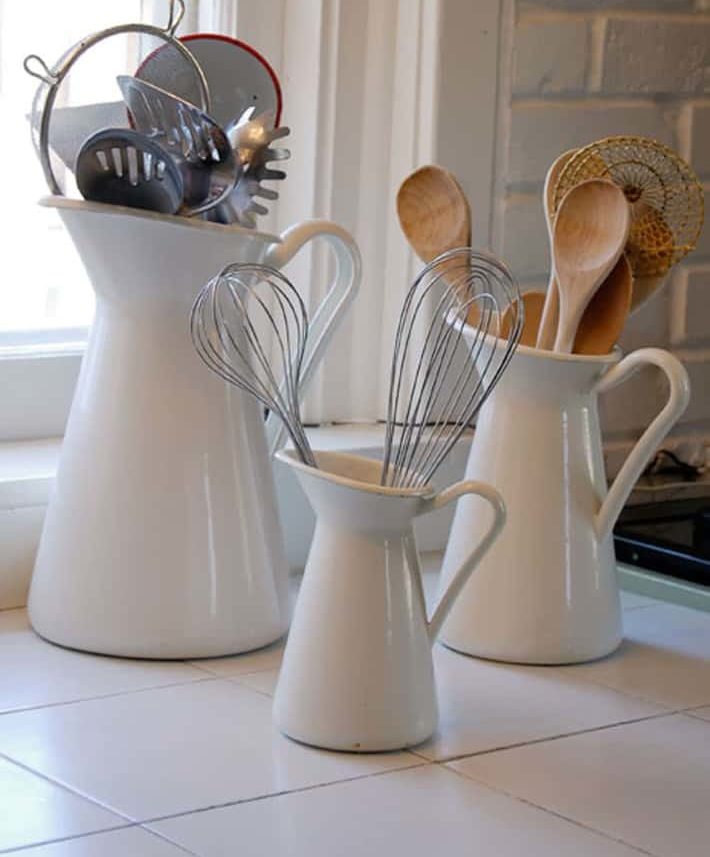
(357,673)
(547,592)
(162,537)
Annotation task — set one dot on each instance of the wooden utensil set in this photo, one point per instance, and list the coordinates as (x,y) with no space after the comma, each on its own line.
(620,213)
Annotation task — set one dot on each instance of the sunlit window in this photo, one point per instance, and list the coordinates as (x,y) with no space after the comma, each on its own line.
(45,292)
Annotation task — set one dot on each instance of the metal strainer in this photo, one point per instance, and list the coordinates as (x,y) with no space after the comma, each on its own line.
(665,195)
(52,78)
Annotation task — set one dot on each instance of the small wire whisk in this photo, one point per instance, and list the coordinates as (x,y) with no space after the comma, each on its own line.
(460,324)
(249,325)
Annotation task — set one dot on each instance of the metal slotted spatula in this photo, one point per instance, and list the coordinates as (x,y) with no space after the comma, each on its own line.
(196,142)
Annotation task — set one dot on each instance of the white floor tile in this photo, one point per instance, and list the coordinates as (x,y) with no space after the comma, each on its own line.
(130,842)
(485,705)
(418,813)
(262,659)
(34,810)
(176,749)
(35,672)
(264,682)
(665,657)
(646,783)
(702,713)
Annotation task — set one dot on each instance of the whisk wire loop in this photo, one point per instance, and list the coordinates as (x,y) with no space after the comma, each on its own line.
(449,352)
(249,325)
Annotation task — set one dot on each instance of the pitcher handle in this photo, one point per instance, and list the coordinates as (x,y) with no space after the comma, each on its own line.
(461,576)
(331,309)
(640,455)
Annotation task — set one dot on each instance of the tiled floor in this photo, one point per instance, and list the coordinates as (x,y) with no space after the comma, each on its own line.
(102,756)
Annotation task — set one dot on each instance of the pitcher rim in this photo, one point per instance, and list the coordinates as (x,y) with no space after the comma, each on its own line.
(543,354)
(65,202)
(290,457)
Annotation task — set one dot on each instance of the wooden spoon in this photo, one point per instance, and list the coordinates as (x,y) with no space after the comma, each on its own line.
(550,313)
(603,319)
(589,235)
(532,306)
(433,212)
(607,311)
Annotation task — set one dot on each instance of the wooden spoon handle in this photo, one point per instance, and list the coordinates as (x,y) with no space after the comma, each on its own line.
(550,316)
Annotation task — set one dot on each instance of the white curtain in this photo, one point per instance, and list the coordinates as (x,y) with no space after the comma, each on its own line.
(364,85)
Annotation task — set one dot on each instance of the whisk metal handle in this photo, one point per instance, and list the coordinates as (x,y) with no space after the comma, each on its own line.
(468,566)
(331,310)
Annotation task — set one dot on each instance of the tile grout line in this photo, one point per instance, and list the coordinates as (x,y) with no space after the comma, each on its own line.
(71,790)
(112,695)
(596,683)
(419,762)
(167,839)
(41,843)
(554,813)
(423,764)
(559,736)
(132,826)
(250,687)
(672,709)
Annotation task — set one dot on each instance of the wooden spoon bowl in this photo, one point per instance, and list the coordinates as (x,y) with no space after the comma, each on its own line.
(433,212)
(590,231)
(606,313)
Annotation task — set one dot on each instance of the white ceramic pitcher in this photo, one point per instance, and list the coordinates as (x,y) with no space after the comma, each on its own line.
(162,536)
(547,591)
(357,672)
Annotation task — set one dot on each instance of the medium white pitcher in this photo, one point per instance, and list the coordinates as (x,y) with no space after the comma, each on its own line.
(162,536)
(547,592)
(357,672)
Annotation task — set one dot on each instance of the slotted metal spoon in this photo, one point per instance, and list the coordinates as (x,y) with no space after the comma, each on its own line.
(122,167)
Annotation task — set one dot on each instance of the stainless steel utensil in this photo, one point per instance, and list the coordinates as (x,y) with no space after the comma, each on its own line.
(198,144)
(52,78)
(444,369)
(243,315)
(238,76)
(251,140)
(122,167)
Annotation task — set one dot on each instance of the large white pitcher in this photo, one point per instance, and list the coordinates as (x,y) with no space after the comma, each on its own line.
(547,592)
(357,672)
(162,536)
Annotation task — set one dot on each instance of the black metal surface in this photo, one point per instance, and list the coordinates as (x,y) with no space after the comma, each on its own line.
(671,538)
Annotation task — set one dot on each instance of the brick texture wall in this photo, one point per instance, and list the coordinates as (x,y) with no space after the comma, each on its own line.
(578,70)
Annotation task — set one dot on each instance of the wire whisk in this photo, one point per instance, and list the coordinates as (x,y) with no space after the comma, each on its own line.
(241,317)
(460,324)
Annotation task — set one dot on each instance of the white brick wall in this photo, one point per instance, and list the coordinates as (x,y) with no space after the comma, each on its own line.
(578,70)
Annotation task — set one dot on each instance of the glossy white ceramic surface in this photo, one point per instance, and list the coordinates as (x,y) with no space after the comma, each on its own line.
(547,592)
(162,537)
(357,672)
